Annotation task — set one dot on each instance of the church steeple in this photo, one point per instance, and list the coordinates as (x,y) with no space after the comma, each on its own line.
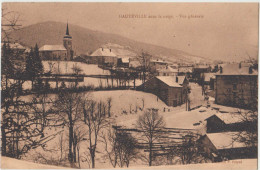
(67,31)
(67,43)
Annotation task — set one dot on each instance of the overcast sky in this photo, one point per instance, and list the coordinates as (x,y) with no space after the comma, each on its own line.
(223,30)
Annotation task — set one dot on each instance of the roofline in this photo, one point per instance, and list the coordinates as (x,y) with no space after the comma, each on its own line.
(167,84)
(236,74)
(52,50)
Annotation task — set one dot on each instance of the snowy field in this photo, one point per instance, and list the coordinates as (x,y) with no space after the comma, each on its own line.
(240,164)
(11,163)
(66,67)
(127,105)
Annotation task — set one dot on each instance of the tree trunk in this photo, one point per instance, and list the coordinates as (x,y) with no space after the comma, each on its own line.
(93,158)
(70,143)
(3,140)
(78,156)
(150,154)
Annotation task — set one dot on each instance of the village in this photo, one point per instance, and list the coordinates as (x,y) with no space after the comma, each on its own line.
(117,108)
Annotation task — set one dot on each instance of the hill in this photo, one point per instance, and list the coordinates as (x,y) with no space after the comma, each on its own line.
(86,40)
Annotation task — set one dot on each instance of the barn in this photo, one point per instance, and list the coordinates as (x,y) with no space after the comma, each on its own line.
(226,145)
(222,122)
(170,89)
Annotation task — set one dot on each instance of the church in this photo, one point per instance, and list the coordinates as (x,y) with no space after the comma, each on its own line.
(58,52)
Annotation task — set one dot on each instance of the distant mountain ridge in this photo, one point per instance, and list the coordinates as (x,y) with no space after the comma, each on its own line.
(87,41)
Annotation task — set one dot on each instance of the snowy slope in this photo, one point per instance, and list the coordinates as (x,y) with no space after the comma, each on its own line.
(11,163)
(65,67)
(239,164)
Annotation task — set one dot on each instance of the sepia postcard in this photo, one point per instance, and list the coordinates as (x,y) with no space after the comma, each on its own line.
(138,85)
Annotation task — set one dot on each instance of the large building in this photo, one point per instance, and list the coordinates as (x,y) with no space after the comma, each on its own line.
(236,85)
(170,89)
(102,56)
(58,52)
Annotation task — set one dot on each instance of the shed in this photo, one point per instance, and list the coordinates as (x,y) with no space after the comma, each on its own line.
(226,145)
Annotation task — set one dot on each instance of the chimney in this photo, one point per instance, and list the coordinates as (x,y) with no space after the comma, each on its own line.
(221,69)
(239,66)
(177,79)
(102,49)
(110,49)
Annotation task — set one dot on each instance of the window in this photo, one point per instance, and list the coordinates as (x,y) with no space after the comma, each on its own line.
(234,86)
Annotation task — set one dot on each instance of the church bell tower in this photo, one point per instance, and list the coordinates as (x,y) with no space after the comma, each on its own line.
(67,43)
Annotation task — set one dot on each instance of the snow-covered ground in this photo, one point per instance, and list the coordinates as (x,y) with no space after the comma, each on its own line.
(240,164)
(11,163)
(127,105)
(66,67)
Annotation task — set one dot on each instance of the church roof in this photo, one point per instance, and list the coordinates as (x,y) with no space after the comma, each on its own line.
(52,48)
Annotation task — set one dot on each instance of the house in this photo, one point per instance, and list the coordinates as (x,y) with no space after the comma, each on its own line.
(221,122)
(236,85)
(226,145)
(198,70)
(174,66)
(157,64)
(168,71)
(58,52)
(170,89)
(185,71)
(209,80)
(135,63)
(123,62)
(18,50)
(103,56)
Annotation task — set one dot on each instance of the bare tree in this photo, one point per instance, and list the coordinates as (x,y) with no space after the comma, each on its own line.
(109,105)
(79,136)
(68,107)
(145,62)
(188,150)
(95,120)
(120,147)
(76,70)
(110,142)
(150,124)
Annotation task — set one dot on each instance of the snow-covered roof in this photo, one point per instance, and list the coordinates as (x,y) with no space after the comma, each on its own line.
(125,60)
(185,69)
(15,46)
(202,66)
(159,61)
(229,118)
(226,140)
(103,52)
(168,70)
(208,76)
(233,69)
(134,63)
(52,48)
(171,80)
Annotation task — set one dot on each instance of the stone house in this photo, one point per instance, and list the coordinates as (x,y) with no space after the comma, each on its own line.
(236,85)
(170,89)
